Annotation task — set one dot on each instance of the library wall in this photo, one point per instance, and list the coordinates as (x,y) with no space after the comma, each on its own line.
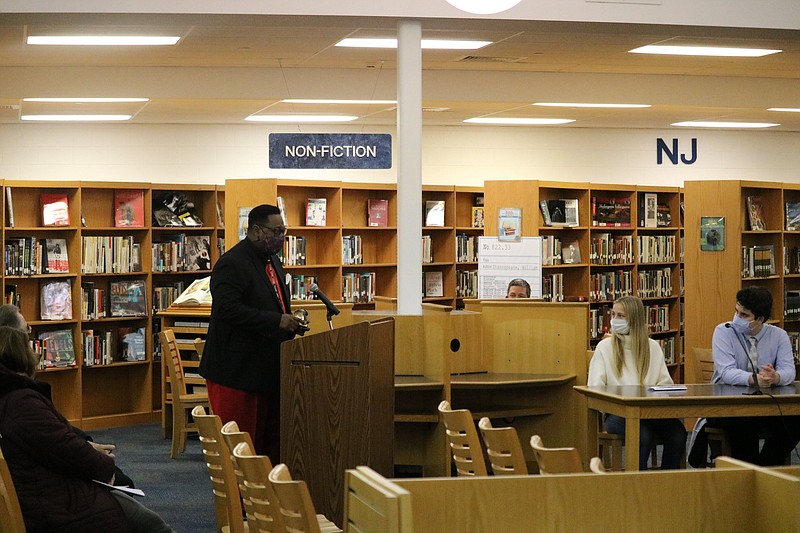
(464,155)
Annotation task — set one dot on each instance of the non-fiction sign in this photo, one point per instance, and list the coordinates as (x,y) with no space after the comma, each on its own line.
(330,150)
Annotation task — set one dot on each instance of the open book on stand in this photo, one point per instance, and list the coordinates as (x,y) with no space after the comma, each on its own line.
(198,294)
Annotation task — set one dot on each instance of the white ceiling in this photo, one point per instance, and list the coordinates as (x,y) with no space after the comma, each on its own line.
(225,68)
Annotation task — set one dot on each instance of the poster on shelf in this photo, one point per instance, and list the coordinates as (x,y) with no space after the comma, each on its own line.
(501,261)
(712,234)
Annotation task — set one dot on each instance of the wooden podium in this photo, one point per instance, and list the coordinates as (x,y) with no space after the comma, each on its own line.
(337,406)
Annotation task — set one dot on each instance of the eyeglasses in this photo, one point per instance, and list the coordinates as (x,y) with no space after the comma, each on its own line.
(278,230)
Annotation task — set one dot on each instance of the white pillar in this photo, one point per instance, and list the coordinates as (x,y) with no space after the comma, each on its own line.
(409,167)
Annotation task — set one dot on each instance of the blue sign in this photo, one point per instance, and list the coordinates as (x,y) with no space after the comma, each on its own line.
(330,150)
(672,154)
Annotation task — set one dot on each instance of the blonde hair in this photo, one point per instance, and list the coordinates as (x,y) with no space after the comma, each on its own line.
(638,334)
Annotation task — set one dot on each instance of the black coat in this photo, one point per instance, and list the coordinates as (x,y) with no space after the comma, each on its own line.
(243,346)
(52,467)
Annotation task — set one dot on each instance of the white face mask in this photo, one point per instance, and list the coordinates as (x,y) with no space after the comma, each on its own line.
(741,325)
(620,326)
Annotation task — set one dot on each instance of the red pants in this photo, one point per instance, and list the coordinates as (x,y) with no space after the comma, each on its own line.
(257,413)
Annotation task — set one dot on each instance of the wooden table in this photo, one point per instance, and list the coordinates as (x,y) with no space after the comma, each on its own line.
(635,403)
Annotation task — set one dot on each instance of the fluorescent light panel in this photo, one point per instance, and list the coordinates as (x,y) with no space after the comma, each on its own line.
(103,40)
(427,44)
(519,121)
(715,51)
(326,101)
(712,124)
(75,118)
(621,106)
(301,118)
(86,100)
(785,109)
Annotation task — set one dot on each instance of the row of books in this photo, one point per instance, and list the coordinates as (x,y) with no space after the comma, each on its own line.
(657,317)
(128,208)
(561,212)
(28,256)
(791,305)
(605,249)
(466,248)
(653,214)
(11,295)
(358,287)
(553,287)
(122,299)
(107,347)
(180,253)
(794,338)
(317,211)
(668,347)
(352,252)
(655,283)
(294,250)
(608,286)
(656,248)
(299,287)
(466,284)
(427,249)
(556,253)
(55,348)
(108,254)
(164,295)
(758,261)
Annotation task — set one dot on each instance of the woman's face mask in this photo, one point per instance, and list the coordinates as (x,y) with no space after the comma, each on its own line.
(620,326)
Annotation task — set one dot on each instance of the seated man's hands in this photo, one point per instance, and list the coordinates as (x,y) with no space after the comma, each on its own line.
(107,449)
(767,377)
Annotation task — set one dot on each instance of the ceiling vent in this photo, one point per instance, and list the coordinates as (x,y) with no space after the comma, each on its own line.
(490,59)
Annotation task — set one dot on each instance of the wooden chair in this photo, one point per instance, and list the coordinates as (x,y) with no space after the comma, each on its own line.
(233,437)
(227,504)
(596,465)
(556,460)
(503,448)
(373,504)
(465,445)
(703,370)
(10,513)
(296,507)
(182,401)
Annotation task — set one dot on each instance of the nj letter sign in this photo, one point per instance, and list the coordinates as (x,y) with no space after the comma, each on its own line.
(330,150)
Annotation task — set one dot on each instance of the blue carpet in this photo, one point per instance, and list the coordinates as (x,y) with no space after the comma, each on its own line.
(177,489)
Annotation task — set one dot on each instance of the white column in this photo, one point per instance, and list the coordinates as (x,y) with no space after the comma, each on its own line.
(409,167)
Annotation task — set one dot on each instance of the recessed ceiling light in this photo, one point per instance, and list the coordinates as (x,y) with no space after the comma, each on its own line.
(483,7)
(301,118)
(717,51)
(75,118)
(103,40)
(324,101)
(518,121)
(785,109)
(427,44)
(86,100)
(712,124)
(623,106)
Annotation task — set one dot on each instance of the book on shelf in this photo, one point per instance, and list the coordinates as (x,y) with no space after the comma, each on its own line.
(509,224)
(197,294)
(755,213)
(55,209)
(56,300)
(316,211)
(129,208)
(11,295)
(434,213)
(792,216)
(175,209)
(131,344)
(477,217)
(611,212)
(571,253)
(377,212)
(434,284)
(9,208)
(55,259)
(57,348)
(649,210)
(281,208)
(220,217)
(560,212)
(244,214)
(545,213)
(663,216)
(197,250)
(791,305)
(128,298)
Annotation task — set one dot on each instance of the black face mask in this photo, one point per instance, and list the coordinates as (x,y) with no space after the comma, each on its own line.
(272,244)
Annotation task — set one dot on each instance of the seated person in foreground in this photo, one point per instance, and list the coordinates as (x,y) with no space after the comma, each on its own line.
(52,468)
(630,357)
(751,353)
(518,288)
(11,317)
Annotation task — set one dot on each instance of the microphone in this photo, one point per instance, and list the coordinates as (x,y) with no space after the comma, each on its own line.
(332,309)
(752,366)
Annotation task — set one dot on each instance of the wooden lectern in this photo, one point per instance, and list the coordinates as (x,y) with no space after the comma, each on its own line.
(337,406)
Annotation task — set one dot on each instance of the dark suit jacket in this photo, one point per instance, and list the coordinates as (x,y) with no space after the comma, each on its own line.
(243,346)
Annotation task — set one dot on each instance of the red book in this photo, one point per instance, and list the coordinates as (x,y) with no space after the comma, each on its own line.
(129,208)
(377,212)
(55,209)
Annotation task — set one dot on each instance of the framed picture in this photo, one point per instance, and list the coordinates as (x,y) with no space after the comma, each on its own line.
(509,224)
(712,234)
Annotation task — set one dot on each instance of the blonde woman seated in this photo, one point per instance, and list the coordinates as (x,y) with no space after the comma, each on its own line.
(629,357)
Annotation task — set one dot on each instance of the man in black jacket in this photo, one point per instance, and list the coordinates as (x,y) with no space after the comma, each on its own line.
(250,318)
